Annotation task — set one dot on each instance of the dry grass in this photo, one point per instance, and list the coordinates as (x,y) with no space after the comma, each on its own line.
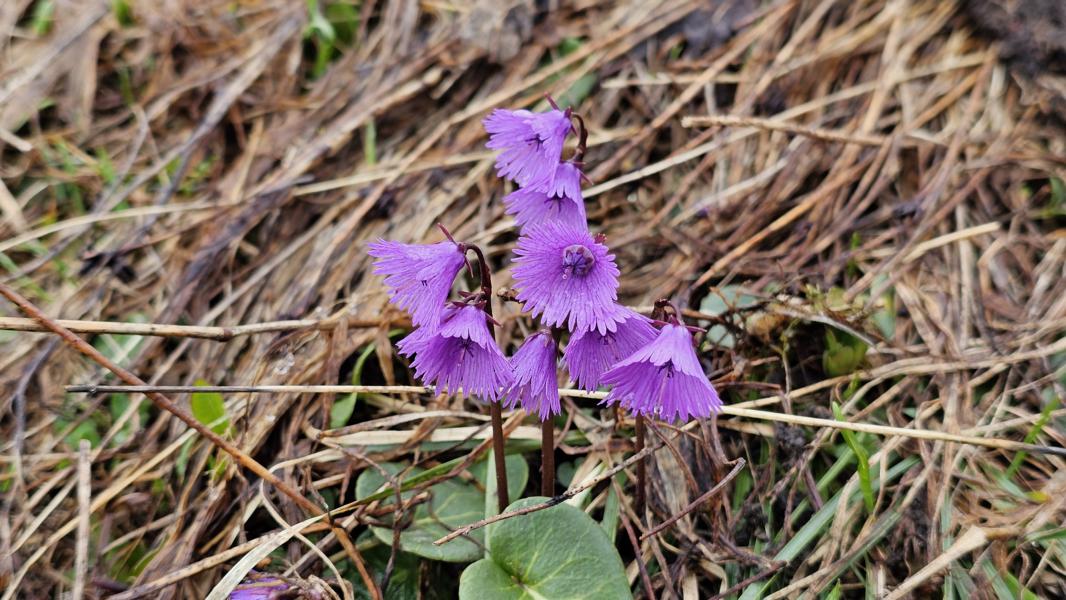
(798,174)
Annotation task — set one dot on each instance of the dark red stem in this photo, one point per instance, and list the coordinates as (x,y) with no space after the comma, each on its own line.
(495,412)
(642,471)
(547,457)
(582,140)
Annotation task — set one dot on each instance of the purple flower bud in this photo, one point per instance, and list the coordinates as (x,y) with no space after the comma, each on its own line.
(459,355)
(419,276)
(562,202)
(566,277)
(663,379)
(589,354)
(531,144)
(535,385)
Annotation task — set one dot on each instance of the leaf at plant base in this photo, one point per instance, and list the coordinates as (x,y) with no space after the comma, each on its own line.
(454,503)
(517,473)
(555,553)
(718,302)
(341,411)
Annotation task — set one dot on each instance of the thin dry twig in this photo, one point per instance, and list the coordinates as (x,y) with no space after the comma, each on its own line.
(740,464)
(81,559)
(219,334)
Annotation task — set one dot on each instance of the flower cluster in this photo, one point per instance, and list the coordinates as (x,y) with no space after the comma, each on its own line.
(564,275)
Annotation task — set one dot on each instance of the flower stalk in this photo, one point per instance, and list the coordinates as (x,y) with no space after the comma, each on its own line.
(495,411)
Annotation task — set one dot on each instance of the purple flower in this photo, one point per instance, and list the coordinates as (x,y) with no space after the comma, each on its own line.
(419,276)
(589,354)
(535,385)
(566,277)
(561,202)
(260,589)
(459,355)
(531,144)
(663,379)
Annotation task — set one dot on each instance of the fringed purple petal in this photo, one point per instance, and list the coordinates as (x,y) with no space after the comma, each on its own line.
(460,355)
(589,354)
(419,276)
(663,379)
(530,144)
(566,278)
(536,384)
(561,203)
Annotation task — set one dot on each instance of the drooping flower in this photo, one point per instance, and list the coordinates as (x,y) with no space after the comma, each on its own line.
(561,202)
(535,385)
(419,276)
(459,355)
(531,144)
(566,277)
(663,379)
(263,588)
(588,355)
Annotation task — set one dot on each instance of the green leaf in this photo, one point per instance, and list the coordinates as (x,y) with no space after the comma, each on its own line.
(41,22)
(885,317)
(1005,585)
(722,301)
(862,465)
(1032,435)
(578,91)
(345,20)
(123,12)
(370,143)
(610,514)
(517,473)
(453,503)
(559,552)
(1058,191)
(117,405)
(569,45)
(181,463)
(844,356)
(210,409)
(341,411)
(86,430)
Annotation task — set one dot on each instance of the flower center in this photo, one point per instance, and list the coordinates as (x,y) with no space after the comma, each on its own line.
(464,350)
(577,260)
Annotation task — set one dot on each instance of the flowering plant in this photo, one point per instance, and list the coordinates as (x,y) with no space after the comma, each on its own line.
(567,278)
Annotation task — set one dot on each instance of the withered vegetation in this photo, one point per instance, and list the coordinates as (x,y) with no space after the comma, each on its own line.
(863,201)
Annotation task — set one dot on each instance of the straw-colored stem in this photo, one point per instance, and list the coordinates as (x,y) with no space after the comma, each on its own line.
(220,334)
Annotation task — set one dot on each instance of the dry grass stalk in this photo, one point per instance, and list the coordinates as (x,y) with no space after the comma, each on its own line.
(185,171)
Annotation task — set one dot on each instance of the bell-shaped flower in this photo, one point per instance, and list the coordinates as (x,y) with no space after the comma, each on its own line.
(663,379)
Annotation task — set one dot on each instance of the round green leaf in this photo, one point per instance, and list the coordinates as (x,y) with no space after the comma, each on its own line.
(559,552)
(454,503)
